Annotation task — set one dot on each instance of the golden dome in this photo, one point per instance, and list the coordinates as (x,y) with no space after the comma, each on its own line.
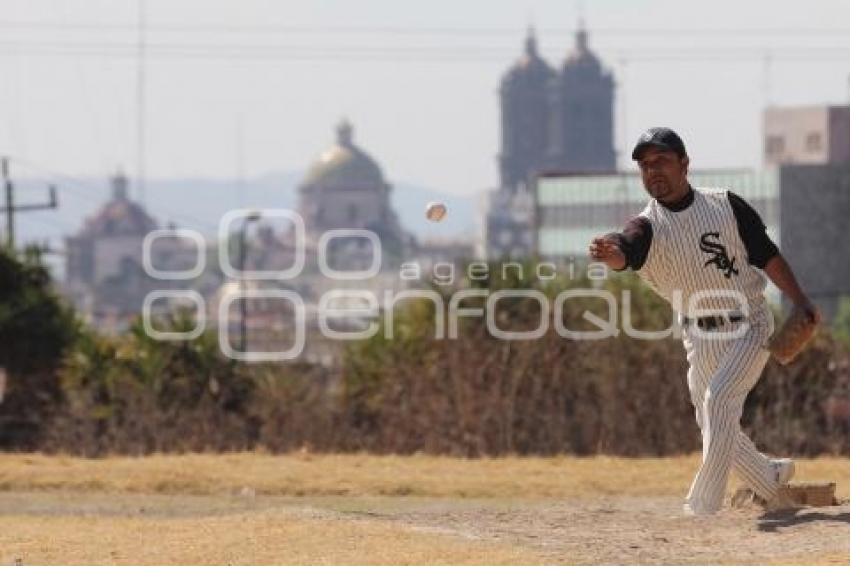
(344,164)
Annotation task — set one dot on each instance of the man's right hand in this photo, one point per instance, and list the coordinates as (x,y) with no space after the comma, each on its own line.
(606,249)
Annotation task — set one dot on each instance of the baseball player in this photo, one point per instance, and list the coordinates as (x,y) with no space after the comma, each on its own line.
(704,251)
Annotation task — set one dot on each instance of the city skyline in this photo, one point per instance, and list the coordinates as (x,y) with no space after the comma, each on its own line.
(238,93)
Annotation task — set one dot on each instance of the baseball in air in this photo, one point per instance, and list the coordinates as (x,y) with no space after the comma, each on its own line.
(435,211)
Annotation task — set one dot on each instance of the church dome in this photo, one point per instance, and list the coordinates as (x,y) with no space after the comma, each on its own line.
(530,65)
(344,164)
(581,56)
(120,216)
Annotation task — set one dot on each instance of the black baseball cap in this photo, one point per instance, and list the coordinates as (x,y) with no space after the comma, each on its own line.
(663,138)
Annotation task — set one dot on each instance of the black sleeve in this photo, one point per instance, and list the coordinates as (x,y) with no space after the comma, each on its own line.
(760,248)
(634,241)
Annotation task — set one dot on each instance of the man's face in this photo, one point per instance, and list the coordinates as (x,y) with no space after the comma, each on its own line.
(664,173)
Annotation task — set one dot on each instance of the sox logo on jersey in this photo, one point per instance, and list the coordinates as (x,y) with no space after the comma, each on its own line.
(719,256)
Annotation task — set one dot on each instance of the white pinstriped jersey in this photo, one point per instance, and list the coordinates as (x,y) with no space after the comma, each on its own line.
(699,249)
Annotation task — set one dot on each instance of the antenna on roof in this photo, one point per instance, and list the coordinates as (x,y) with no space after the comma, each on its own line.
(767,69)
(141,81)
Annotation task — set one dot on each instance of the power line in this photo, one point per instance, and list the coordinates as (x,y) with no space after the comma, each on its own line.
(449,49)
(70,181)
(401,53)
(465,31)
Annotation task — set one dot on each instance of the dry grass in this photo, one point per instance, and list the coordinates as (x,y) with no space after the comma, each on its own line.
(51,529)
(264,538)
(303,474)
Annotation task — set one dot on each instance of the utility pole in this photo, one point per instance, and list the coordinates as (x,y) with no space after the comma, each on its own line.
(141,101)
(10,205)
(253,216)
(11,208)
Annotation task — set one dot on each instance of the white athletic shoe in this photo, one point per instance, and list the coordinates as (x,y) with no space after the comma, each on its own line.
(784,470)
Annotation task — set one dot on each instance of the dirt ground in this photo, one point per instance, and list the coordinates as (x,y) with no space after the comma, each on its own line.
(300,508)
(92,528)
(646,530)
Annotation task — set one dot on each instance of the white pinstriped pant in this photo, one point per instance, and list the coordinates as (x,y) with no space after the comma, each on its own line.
(722,372)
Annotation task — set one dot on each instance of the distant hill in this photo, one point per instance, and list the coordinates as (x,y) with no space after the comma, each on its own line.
(199,203)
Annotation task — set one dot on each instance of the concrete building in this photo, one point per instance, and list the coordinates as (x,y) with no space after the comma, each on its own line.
(814,203)
(811,147)
(811,135)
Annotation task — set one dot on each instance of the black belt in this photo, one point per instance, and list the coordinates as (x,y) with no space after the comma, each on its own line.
(712,322)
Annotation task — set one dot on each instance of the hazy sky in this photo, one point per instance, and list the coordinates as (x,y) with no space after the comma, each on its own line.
(258,85)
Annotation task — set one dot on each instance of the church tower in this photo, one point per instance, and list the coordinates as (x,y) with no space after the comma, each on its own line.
(582,106)
(525,117)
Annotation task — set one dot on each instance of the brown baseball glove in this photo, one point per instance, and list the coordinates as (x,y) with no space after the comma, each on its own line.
(789,340)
